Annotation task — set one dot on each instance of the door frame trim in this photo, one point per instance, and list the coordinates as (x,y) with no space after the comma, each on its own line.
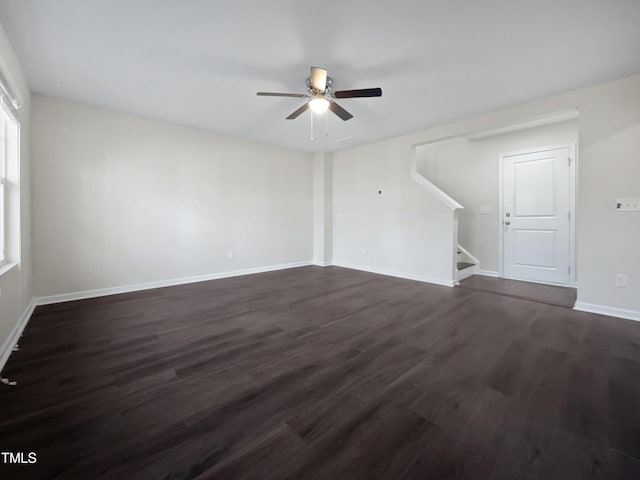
(573,168)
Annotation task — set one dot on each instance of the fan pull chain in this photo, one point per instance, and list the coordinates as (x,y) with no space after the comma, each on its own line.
(326,123)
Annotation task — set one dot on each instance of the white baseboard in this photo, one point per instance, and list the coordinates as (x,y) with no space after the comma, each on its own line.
(14,336)
(321,264)
(488,273)
(393,273)
(606,310)
(103,292)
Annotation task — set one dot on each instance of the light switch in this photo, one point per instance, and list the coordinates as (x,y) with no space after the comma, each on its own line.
(628,204)
(486,209)
(621,280)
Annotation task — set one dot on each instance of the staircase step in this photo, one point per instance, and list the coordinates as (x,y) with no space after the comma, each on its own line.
(463,265)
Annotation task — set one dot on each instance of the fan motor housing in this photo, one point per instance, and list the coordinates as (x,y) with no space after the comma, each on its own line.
(327,89)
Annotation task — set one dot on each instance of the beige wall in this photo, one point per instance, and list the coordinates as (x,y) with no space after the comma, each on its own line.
(467,170)
(404,230)
(608,241)
(322,208)
(15,284)
(121,200)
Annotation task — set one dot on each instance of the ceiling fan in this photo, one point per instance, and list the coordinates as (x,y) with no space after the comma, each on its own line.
(322,97)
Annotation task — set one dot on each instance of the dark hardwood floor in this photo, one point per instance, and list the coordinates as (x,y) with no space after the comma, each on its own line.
(552,294)
(322,373)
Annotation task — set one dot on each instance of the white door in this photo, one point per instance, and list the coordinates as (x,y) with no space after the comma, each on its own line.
(536,215)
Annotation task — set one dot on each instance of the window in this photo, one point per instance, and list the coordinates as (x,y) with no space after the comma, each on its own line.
(9,182)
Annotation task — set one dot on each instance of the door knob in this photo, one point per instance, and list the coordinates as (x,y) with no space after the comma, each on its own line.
(507,222)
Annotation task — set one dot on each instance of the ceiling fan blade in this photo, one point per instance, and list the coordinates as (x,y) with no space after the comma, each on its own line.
(362,92)
(299,111)
(318,78)
(272,94)
(339,111)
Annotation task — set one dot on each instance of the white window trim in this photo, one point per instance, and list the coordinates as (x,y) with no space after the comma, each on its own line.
(3,186)
(9,260)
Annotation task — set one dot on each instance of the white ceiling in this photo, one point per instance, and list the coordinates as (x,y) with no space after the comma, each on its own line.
(200,62)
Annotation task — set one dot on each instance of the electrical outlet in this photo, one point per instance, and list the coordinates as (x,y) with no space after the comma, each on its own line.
(363,251)
(621,280)
(229,254)
(628,204)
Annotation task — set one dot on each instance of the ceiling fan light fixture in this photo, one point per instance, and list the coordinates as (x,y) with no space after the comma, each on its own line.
(320,95)
(318,103)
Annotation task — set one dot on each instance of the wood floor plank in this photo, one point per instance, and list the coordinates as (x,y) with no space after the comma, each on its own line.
(322,373)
